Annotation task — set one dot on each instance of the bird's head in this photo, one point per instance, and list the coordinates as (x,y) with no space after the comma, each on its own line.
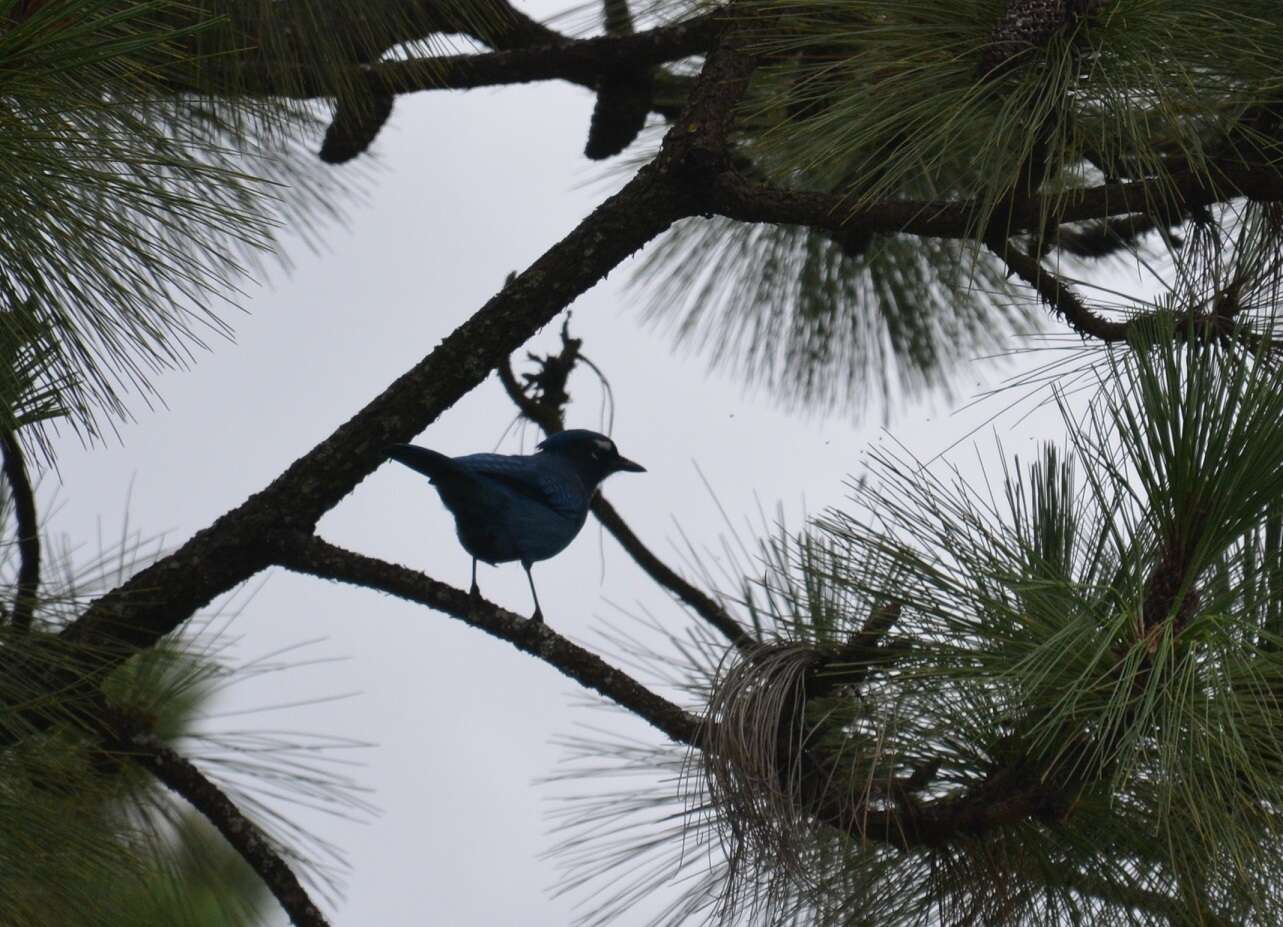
(594,456)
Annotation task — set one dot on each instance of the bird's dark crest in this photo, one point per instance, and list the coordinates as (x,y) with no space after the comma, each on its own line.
(572,438)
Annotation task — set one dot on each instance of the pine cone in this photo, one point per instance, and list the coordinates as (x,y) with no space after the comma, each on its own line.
(356,124)
(620,114)
(623,99)
(1026,25)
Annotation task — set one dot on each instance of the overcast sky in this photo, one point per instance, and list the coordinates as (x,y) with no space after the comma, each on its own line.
(473,185)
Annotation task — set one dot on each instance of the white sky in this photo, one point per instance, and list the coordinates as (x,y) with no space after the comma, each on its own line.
(474,185)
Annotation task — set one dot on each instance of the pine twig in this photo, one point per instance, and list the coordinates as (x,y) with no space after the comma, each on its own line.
(1056,293)
(357,121)
(697,600)
(857,658)
(183,778)
(28,531)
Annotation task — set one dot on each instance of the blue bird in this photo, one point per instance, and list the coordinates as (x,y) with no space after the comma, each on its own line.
(514,507)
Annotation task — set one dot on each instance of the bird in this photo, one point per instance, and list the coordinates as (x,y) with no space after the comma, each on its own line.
(525,507)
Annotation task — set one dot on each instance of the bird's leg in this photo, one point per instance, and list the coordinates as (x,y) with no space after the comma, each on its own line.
(474,594)
(538,615)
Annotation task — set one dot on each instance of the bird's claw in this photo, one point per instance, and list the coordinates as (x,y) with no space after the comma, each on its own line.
(537,617)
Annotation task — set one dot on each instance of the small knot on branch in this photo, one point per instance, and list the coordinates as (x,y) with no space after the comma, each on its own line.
(546,385)
(542,395)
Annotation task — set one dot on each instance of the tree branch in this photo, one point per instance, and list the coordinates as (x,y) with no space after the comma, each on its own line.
(1056,293)
(27,529)
(240,543)
(494,23)
(184,779)
(735,197)
(326,561)
(159,598)
(359,118)
(580,61)
(1002,800)
(1007,797)
(696,599)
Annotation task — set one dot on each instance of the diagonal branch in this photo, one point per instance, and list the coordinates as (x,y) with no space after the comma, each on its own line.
(1056,293)
(696,599)
(158,599)
(549,419)
(186,780)
(326,561)
(28,531)
(1217,323)
(1006,798)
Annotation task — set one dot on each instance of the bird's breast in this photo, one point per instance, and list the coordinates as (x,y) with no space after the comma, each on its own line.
(521,529)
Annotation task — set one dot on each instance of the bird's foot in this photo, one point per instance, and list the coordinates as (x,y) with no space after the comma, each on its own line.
(537,616)
(474,596)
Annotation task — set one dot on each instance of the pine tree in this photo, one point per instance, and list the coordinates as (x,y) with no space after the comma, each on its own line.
(1055,703)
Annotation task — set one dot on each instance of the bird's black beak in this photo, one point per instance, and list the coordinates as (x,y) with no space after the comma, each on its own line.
(623,463)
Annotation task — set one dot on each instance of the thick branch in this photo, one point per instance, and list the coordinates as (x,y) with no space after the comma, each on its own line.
(161,597)
(319,558)
(369,32)
(186,780)
(550,421)
(158,599)
(581,61)
(28,531)
(585,62)
(737,198)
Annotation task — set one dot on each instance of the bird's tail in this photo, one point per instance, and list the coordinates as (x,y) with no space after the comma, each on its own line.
(429,463)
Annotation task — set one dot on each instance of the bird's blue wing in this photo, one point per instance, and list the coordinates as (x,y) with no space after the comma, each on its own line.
(528,477)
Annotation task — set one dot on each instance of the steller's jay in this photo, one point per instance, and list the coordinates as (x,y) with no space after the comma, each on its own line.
(514,507)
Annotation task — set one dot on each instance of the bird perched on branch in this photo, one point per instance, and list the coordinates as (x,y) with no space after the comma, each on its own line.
(515,507)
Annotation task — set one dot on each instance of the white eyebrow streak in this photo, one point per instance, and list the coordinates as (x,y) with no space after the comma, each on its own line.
(605,444)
